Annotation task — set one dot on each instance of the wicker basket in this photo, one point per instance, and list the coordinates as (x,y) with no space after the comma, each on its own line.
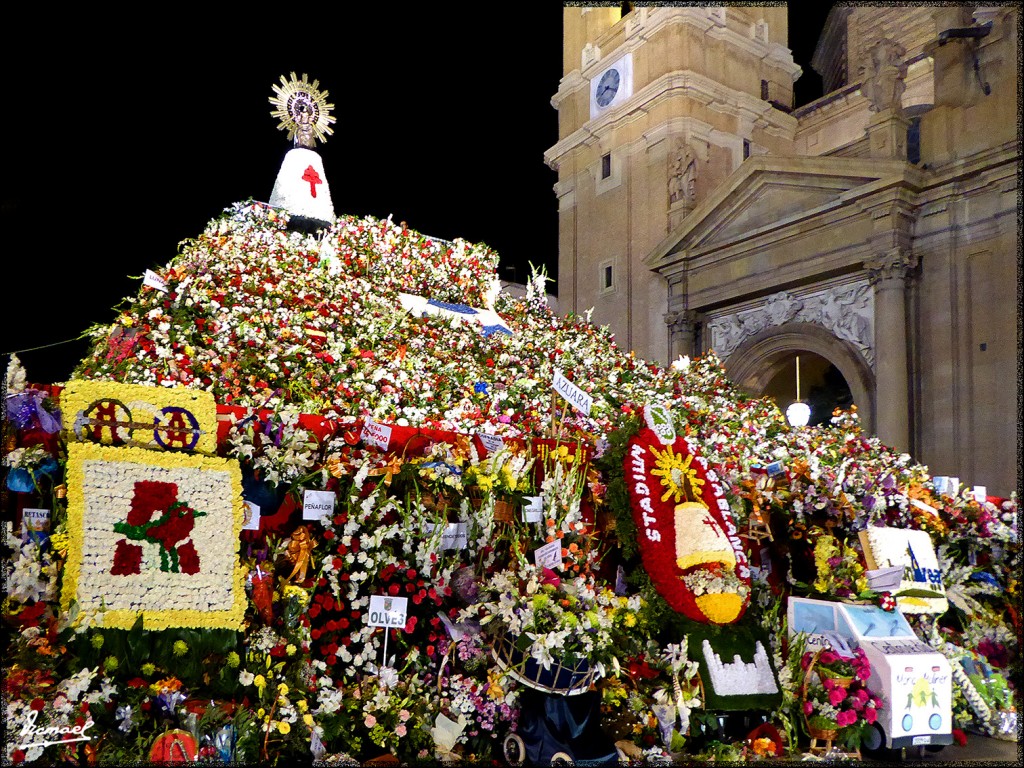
(816,732)
(504,511)
(559,678)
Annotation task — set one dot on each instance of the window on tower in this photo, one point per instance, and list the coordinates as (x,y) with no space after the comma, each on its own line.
(606,165)
(607,277)
(625,8)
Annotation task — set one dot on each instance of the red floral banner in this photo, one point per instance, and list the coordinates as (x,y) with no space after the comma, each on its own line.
(685,531)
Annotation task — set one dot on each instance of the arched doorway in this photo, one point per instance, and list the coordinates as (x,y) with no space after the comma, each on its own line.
(833,369)
(822,386)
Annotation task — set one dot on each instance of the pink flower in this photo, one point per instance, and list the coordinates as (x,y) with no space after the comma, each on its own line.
(370,721)
(846,717)
(828,657)
(860,698)
(400,730)
(836,696)
(808,707)
(870,714)
(404,715)
(828,683)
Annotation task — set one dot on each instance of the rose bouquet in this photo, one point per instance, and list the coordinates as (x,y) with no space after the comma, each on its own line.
(836,702)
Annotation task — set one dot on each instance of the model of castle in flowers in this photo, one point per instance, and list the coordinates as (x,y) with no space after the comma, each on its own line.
(386,423)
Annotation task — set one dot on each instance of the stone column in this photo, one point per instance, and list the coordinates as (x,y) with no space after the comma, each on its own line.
(682,338)
(888,274)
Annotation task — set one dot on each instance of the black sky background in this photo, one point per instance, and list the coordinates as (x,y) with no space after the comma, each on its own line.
(125,134)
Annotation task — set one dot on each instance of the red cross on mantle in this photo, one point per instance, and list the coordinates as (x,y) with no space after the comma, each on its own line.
(313,178)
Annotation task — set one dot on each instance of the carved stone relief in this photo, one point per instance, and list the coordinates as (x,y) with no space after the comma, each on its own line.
(882,77)
(847,311)
(682,182)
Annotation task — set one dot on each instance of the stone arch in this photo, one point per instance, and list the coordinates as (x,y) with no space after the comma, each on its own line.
(753,364)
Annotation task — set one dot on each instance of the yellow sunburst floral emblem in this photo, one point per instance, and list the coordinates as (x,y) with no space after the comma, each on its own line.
(678,478)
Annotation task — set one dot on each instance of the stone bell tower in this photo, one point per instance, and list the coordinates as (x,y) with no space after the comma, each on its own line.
(656,107)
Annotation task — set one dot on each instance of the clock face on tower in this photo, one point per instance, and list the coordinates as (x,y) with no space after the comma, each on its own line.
(607,87)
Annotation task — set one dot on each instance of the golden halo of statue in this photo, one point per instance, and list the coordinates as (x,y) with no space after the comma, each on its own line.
(303,111)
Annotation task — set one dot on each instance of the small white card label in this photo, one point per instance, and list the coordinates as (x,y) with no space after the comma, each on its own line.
(980,493)
(575,396)
(35,523)
(533,509)
(153,280)
(388,611)
(317,504)
(453,535)
(493,443)
(375,434)
(549,556)
(251,520)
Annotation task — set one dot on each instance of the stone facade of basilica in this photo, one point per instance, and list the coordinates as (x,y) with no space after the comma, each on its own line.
(875,229)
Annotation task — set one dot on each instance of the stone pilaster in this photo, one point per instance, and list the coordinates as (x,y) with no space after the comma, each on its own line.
(682,334)
(888,275)
(887,135)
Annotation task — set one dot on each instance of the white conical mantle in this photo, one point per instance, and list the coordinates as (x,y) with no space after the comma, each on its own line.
(301,187)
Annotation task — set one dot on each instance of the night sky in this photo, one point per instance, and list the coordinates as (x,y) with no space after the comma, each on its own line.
(125,135)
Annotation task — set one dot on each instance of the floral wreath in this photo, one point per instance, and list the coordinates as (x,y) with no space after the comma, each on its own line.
(665,483)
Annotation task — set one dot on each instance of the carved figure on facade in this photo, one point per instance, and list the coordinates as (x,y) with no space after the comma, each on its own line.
(882,78)
(682,183)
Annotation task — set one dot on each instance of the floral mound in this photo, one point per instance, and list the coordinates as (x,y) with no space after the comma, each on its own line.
(302,342)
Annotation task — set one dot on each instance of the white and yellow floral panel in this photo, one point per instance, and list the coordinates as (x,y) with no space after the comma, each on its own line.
(154,534)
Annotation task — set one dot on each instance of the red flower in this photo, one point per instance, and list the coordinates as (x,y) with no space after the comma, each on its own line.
(188,558)
(127,558)
(960,737)
(150,497)
(177,527)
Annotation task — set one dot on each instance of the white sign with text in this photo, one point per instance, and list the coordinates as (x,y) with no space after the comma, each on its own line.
(493,443)
(575,396)
(388,611)
(453,535)
(317,504)
(549,556)
(378,435)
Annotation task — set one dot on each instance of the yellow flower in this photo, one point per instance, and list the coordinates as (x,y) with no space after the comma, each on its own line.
(284,728)
(630,620)
(308,720)
(260,682)
(233,660)
(301,705)
(290,649)
(148,669)
(180,648)
(282,689)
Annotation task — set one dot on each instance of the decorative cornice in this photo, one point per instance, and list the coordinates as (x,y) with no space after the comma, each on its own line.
(703,90)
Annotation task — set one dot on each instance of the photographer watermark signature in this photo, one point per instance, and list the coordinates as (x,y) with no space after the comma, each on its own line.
(37,734)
